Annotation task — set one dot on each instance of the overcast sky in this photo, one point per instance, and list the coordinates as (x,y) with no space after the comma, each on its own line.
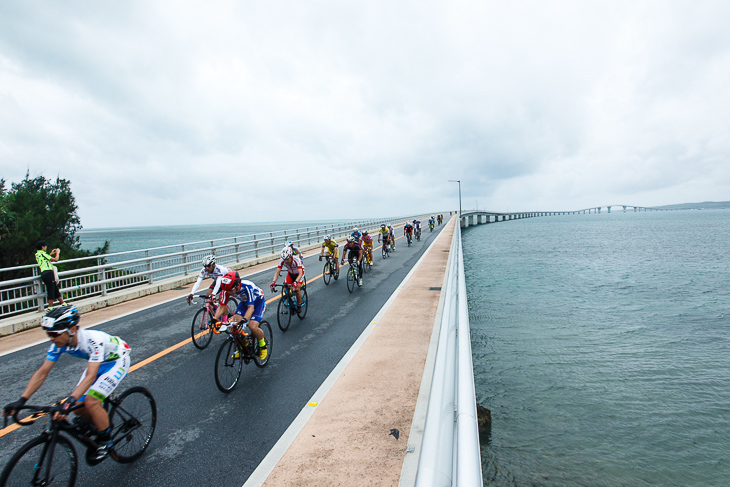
(234,111)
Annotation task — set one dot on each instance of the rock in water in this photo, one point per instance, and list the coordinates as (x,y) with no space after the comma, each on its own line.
(484,419)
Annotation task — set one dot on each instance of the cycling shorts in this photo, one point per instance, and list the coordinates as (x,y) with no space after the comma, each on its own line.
(334,253)
(259,306)
(108,377)
(290,278)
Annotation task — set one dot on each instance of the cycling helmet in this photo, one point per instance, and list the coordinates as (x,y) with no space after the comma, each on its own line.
(209,260)
(327,237)
(286,252)
(350,239)
(354,230)
(382,226)
(364,233)
(228,281)
(289,243)
(60,319)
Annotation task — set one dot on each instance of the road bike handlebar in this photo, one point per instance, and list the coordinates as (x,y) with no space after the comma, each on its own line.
(38,412)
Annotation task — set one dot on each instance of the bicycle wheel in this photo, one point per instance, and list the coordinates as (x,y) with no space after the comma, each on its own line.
(232,305)
(284,312)
(351,278)
(31,466)
(200,330)
(327,272)
(269,337)
(301,313)
(134,419)
(228,365)
(384,251)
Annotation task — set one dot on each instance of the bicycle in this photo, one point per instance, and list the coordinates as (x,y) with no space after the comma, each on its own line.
(50,458)
(385,251)
(367,263)
(240,347)
(352,276)
(330,270)
(430,226)
(418,234)
(288,305)
(409,238)
(203,320)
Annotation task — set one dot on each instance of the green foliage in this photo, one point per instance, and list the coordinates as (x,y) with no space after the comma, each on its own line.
(39,209)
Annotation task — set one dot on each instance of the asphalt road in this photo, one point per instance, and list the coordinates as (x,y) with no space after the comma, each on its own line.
(205,437)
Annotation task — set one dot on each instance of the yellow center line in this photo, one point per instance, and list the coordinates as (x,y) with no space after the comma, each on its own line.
(154,357)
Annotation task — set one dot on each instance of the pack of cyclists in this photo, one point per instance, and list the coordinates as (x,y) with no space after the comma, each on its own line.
(108,357)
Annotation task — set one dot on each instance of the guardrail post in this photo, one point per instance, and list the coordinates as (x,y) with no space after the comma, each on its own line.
(149,266)
(185,259)
(256,246)
(272,242)
(100,276)
(235,240)
(37,289)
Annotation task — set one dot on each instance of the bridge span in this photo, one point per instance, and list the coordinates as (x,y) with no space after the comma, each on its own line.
(477,217)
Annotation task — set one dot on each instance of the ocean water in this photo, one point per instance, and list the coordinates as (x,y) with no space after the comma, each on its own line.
(125,239)
(601,346)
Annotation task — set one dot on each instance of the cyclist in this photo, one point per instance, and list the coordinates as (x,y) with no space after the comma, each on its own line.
(384,235)
(356,234)
(295,251)
(332,248)
(366,241)
(294,275)
(251,307)
(431,223)
(108,363)
(212,270)
(408,231)
(417,227)
(353,249)
(391,233)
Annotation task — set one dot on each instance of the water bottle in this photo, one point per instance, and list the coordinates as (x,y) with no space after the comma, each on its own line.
(247,337)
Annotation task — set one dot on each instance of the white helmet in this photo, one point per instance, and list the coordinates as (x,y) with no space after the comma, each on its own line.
(286,252)
(327,237)
(350,239)
(209,260)
(354,230)
(382,226)
(289,243)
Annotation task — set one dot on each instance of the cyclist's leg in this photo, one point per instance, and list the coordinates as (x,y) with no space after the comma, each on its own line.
(337,262)
(253,323)
(108,377)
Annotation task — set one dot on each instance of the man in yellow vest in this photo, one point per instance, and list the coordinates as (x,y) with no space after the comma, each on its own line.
(49,278)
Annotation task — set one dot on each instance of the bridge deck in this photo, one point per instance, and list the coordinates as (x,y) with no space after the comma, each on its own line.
(348,437)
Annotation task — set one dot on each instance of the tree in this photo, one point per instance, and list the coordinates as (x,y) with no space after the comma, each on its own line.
(38,209)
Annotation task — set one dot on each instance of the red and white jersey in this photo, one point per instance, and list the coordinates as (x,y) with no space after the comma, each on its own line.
(296,263)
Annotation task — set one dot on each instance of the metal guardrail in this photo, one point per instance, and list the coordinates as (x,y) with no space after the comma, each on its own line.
(112,272)
(450,454)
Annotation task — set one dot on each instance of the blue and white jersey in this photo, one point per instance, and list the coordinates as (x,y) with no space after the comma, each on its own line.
(249,292)
(92,345)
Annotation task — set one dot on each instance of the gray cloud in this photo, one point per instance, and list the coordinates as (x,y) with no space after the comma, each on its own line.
(159,112)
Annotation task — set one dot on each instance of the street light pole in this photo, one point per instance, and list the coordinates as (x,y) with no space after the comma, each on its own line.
(458,181)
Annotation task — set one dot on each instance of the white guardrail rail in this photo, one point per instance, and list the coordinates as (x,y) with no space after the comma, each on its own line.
(113,272)
(450,454)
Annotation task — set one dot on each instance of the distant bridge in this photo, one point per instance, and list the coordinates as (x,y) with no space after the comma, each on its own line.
(477,217)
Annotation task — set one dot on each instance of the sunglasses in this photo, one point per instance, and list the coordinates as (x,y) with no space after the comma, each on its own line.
(56,333)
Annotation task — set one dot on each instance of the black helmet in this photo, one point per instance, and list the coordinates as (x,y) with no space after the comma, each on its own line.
(60,319)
